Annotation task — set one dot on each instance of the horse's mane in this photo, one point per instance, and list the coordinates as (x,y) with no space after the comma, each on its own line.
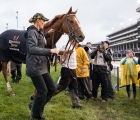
(51,22)
(57,17)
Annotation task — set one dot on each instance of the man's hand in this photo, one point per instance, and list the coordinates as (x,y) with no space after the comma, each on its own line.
(65,51)
(69,51)
(51,31)
(54,51)
(83,70)
(101,50)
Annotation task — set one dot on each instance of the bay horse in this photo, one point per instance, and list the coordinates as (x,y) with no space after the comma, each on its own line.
(13,42)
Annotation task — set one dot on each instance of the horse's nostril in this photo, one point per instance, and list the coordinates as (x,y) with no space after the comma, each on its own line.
(80,36)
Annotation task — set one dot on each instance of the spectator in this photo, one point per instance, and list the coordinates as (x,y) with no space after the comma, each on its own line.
(99,72)
(110,92)
(68,74)
(16,72)
(130,73)
(82,73)
(88,50)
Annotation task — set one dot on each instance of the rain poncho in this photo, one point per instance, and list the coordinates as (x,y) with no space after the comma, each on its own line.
(129,71)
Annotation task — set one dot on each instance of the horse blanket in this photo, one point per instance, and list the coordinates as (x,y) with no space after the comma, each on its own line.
(13,46)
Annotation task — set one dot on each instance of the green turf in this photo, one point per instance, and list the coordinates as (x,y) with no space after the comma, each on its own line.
(16,108)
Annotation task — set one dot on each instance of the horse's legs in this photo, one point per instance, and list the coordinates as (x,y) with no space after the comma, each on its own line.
(8,69)
(5,74)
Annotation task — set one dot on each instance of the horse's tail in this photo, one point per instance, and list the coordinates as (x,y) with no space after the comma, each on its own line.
(0,66)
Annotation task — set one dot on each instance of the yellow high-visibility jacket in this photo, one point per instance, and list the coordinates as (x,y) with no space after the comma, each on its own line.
(129,72)
(82,62)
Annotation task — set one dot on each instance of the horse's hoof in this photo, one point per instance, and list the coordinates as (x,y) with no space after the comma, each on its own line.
(12,93)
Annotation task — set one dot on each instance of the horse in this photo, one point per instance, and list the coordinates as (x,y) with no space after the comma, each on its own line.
(13,42)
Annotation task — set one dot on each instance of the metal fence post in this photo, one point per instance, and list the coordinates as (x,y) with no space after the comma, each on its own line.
(117,78)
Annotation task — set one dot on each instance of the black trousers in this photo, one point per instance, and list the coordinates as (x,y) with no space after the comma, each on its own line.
(84,88)
(68,79)
(45,90)
(128,90)
(90,70)
(99,78)
(110,92)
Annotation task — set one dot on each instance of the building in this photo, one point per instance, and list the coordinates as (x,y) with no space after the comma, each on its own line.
(125,39)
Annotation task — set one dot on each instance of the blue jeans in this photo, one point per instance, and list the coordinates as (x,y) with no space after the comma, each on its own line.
(45,90)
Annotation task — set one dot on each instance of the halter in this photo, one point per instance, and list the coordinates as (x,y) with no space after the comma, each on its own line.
(71,33)
(72,36)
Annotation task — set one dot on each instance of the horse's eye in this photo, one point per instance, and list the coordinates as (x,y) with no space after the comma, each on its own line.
(71,22)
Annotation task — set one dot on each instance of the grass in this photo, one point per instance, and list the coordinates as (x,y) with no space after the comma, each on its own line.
(16,108)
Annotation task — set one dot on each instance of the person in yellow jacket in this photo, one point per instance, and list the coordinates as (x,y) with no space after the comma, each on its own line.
(82,73)
(129,72)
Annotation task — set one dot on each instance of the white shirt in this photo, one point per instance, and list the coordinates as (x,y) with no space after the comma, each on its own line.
(100,58)
(70,62)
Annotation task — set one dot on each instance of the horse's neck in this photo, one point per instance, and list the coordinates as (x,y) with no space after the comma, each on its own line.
(54,37)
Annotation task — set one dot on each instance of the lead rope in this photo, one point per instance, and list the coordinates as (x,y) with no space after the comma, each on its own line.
(55,55)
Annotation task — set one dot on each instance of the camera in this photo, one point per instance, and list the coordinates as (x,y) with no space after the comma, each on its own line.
(98,46)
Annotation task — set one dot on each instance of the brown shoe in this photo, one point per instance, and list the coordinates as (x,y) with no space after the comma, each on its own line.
(103,101)
(93,98)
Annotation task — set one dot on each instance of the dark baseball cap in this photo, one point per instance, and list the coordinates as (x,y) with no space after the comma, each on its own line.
(38,16)
(88,42)
(107,42)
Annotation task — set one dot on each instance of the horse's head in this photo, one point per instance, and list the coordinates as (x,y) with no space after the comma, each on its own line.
(71,26)
(64,23)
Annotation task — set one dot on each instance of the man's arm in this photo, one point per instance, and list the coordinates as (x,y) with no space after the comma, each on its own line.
(93,54)
(107,56)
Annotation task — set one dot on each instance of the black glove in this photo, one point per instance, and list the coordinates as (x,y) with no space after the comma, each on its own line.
(46,35)
(86,49)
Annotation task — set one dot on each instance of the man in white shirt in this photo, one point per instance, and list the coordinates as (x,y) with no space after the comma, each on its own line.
(68,73)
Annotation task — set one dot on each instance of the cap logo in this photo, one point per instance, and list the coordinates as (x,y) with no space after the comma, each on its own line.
(38,16)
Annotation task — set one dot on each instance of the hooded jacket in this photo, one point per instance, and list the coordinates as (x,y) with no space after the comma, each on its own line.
(129,71)
(82,62)
(36,60)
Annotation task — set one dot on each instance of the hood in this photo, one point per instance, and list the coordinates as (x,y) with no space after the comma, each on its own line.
(32,27)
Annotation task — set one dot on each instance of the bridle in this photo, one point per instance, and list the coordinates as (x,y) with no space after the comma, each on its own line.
(71,32)
(72,36)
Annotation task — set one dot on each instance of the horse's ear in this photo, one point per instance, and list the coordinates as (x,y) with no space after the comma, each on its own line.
(75,11)
(70,10)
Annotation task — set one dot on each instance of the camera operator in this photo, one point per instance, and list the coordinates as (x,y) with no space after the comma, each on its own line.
(110,92)
(99,72)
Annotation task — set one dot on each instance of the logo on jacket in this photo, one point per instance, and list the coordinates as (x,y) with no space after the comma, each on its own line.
(16,38)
